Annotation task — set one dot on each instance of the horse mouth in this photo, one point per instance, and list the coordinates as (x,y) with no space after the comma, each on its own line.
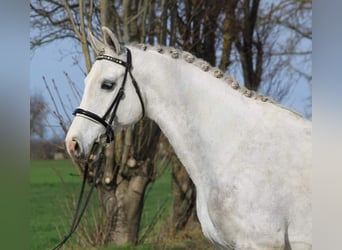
(81,158)
(94,152)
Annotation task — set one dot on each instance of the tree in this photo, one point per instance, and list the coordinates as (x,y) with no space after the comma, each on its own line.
(130,159)
(38,114)
(37,117)
(264,58)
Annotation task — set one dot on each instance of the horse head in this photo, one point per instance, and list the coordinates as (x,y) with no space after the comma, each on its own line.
(111,99)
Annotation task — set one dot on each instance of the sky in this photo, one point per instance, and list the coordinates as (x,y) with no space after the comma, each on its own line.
(52,60)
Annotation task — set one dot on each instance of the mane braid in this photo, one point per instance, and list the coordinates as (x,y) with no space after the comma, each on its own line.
(205,66)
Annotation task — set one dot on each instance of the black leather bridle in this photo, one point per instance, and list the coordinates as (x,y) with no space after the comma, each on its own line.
(111,111)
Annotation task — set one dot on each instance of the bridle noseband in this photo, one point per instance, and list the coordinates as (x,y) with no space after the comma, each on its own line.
(111,111)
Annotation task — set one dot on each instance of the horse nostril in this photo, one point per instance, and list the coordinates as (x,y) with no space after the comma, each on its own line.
(74,147)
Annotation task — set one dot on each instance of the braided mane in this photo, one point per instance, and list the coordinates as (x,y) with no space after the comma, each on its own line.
(205,66)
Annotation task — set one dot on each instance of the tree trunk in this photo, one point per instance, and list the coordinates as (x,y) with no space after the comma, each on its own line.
(182,214)
(251,62)
(128,167)
(228,34)
(123,203)
(107,11)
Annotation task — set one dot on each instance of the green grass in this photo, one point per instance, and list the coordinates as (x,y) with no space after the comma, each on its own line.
(51,185)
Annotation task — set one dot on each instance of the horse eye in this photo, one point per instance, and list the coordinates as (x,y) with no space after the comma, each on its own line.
(108,85)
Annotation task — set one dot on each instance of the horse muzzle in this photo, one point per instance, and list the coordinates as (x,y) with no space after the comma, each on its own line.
(78,152)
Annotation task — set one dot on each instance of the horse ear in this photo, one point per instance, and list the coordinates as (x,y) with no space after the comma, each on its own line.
(96,44)
(110,40)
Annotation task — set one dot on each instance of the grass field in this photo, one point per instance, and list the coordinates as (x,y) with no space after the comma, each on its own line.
(51,185)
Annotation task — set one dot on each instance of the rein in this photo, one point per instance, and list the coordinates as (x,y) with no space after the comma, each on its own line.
(119,96)
(79,212)
(109,134)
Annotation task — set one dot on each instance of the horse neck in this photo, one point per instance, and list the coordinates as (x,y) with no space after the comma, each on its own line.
(196,111)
